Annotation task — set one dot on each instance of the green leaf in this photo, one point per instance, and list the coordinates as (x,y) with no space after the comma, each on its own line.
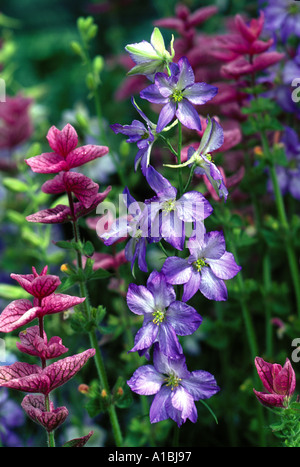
(13,184)
(99,274)
(12,292)
(88,249)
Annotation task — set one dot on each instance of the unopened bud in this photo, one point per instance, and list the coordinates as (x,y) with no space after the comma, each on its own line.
(103,393)
(83,388)
(120,391)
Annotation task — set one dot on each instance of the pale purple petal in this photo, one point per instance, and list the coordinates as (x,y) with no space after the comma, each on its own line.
(183,318)
(213,137)
(166,115)
(211,286)
(160,184)
(193,206)
(168,341)
(192,286)
(146,380)
(183,401)
(200,384)
(158,409)
(140,300)
(186,75)
(224,267)
(162,292)
(145,337)
(188,116)
(212,246)
(177,270)
(152,94)
(200,93)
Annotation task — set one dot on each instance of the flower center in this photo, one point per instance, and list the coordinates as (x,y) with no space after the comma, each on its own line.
(173,381)
(169,205)
(138,233)
(158,317)
(199,264)
(177,95)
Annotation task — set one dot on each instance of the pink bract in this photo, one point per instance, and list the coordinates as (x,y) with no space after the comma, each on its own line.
(280,382)
(34,406)
(65,156)
(34,379)
(33,344)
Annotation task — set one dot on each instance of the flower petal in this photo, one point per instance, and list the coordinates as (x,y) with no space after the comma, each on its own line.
(146,380)
(183,318)
(140,300)
(166,115)
(211,286)
(177,270)
(17,314)
(64,141)
(188,116)
(47,163)
(224,267)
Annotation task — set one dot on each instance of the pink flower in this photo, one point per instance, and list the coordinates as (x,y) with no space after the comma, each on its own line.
(15,122)
(65,155)
(106,261)
(280,382)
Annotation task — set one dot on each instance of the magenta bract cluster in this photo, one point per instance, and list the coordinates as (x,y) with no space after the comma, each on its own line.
(65,157)
(40,379)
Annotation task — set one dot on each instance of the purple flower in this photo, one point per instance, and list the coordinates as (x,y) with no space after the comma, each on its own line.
(140,134)
(179,93)
(136,225)
(169,215)
(289,175)
(208,265)
(164,316)
(11,417)
(175,388)
(283,17)
(212,139)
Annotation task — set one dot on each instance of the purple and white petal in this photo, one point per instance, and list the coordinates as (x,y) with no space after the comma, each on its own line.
(186,75)
(183,401)
(224,267)
(211,286)
(145,337)
(201,385)
(166,115)
(188,116)
(177,270)
(140,300)
(183,318)
(213,137)
(191,287)
(162,291)
(152,94)
(193,206)
(158,409)
(146,381)
(200,93)
(168,341)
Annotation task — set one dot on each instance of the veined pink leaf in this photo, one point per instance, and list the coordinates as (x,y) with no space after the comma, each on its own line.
(34,406)
(33,344)
(64,141)
(39,286)
(17,314)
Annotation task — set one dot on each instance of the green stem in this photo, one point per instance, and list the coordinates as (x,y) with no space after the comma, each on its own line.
(179,158)
(267,289)
(292,259)
(93,338)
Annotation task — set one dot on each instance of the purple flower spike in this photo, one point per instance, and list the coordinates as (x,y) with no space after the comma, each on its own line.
(35,408)
(141,135)
(32,344)
(34,379)
(65,155)
(178,93)
(175,388)
(169,215)
(205,269)
(280,382)
(164,316)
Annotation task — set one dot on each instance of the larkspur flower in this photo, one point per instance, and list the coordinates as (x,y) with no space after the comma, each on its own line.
(175,388)
(164,316)
(152,57)
(289,175)
(208,265)
(134,224)
(212,139)
(169,215)
(141,134)
(282,18)
(280,382)
(178,93)
(66,155)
